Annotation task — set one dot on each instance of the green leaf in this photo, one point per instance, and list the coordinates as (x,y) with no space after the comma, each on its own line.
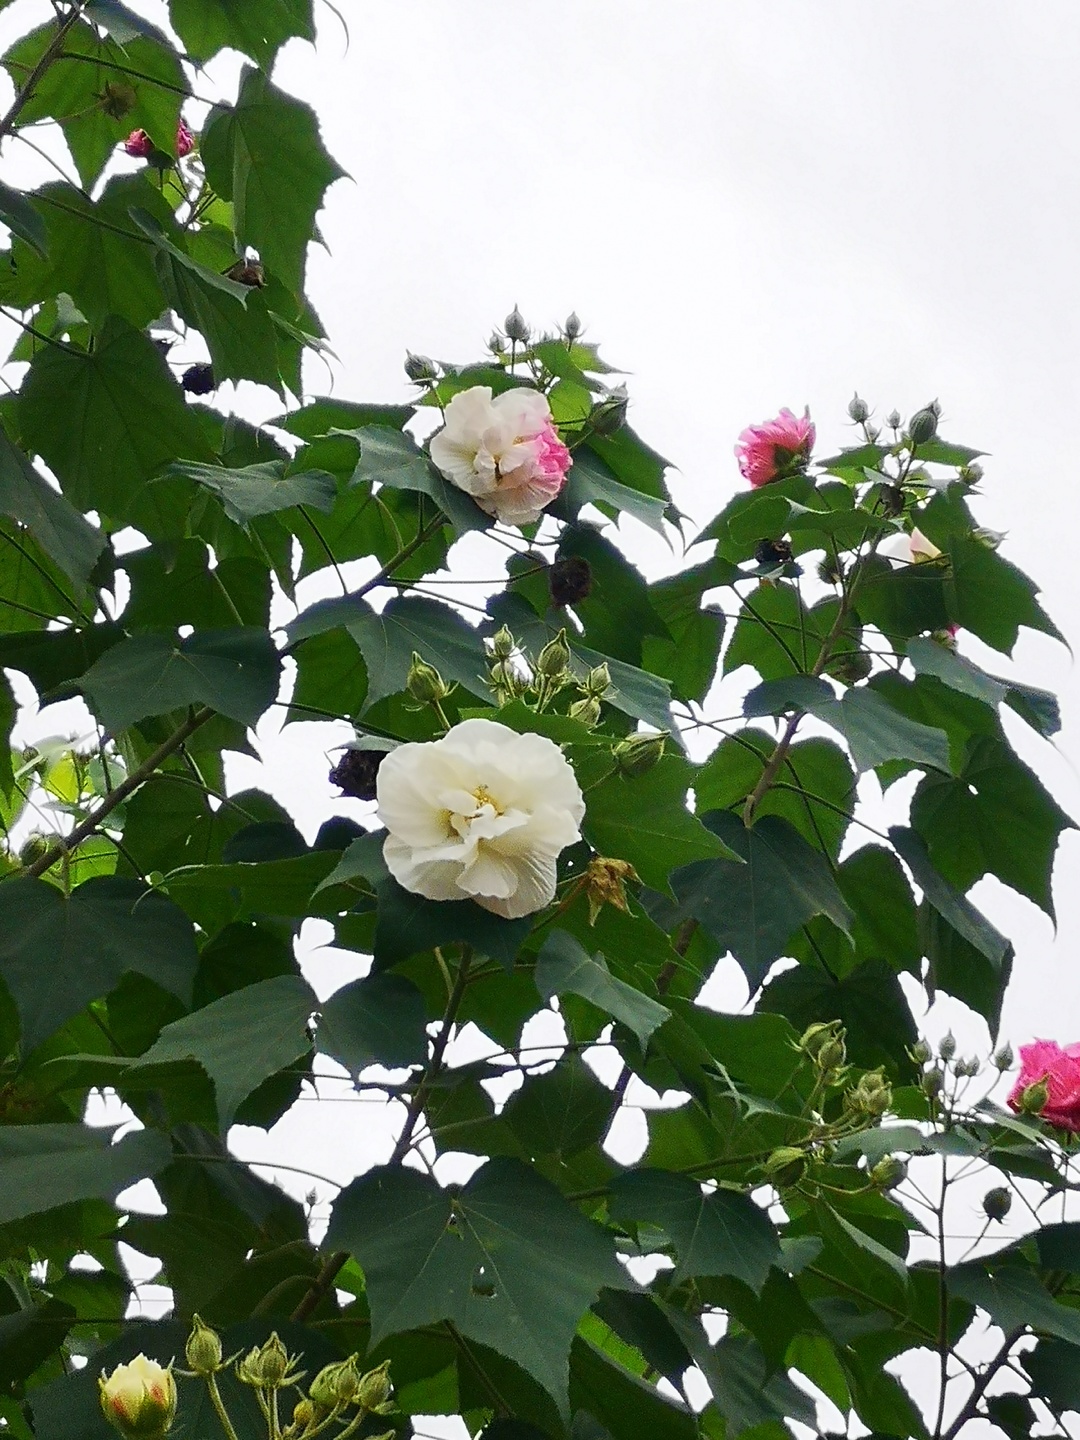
(69,540)
(876,733)
(22,219)
(632,461)
(591,481)
(610,1403)
(255,30)
(754,908)
(929,657)
(380,1020)
(961,970)
(42,1166)
(387,640)
(172,584)
(241,1039)
(991,597)
(325,415)
(261,489)
(232,671)
(903,601)
(645,820)
(885,926)
(689,658)
(265,155)
(1054,1374)
(85,944)
(98,442)
(409,924)
(389,457)
(1014,1298)
(559,1113)
(996,817)
(869,1002)
(564,967)
(776,634)
(504,1258)
(330,675)
(951,906)
(717,1233)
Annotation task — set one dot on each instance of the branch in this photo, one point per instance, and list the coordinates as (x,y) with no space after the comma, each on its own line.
(116,797)
(970,1410)
(52,52)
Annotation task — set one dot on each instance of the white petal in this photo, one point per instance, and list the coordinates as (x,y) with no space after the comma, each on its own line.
(490,875)
(535,889)
(435,880)
(525,411)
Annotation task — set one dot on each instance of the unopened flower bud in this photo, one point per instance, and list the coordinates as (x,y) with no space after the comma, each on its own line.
(637,754)
(932,1082)
(888,1172)
(515,327)
(947,1046)
(139,1399)
(375,1388)
(507,681)
(609,415)
(858,409)
(586,711)
(785,1166)
(892,420)
(118,99)
(33,848)
(419,368)
(990,538)
(832,1056)
(850,666)
(971,474)
(203,1349)
(1034,1097)
(920,1052)
(497,343)
(605,884)
(424,683)
(815,1037)
(554,658)
(572,327)
(247,272)
(873,433)
(598,681)
(871,1096)
(503,644)
(336,1385)
(304,1416)
(923,426)
(997,1203)
(570,580)
(1003,1058)
(266,1366)
(968,1068)
(198,380)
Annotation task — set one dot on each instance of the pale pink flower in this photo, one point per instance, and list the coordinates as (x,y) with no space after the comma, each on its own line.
(921,548)
(776,448)
(504,451)
(1060,1068)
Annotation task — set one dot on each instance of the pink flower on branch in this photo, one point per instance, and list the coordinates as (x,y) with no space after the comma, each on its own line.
(140,146)
(776,448)
(1046,1063)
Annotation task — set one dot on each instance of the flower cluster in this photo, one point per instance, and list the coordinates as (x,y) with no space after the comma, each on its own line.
(504,451)
(140,146)
(481,814)
(776,448)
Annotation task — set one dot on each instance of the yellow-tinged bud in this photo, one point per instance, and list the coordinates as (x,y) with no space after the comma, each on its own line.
(424,683)
(871,1096)
(375,1388)
(785,1166)
(267,1367)
(605,884)
(503,644)
(553,659)
(889,1171)
(304,1415)
(637,754)
(203,1349)
(586,711)
(139,1399)
(815,1037)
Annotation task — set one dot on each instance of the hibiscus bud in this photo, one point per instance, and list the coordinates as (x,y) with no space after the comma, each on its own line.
(932,1082)
(1004,1057)
(968,1068)
(356,772)
(888,1172)
(832,1056)
(497,343)
(424,683)
(872,434)
(997,1203)
(198,380)
(503,644)
(570,580)
(815,1037)
(185,141)
(304,1416)
(947,1046)
(1033,1098)
(871,1096)
(247,272)
(637,754)
(336,1385)
(773,552)
(515,327)
(139,145)
(850,666)
(203,1349)
(419,368)
(923,426)
(572,327)
(920,1052)
(605,884)
(586,711)
(508,683)
(375,1388)
(598,681)
(139,1399)
(990,538)
(609,415)
(266,1366)
(858,409)
(892,420)
(553,659)
(33,848)
(785,1166)
(971,474)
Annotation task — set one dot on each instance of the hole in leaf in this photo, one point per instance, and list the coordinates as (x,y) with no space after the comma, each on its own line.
(481,1284)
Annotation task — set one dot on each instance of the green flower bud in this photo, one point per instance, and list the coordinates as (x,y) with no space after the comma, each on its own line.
(971,474)
(892,420)
(637,754)
(850,666)
(586,711)
(419,368)
(609,415)
(1004,1057)
(304,1416)
(509,683)
(33,848)
(873,433)
(871,1096)
(375,1388)
(424,683)
(554,658)
(785,1166)
(597,682)
(858,409)
(336,1385)
(497,343)
(997,1203)
(932,1082)
(990,538)
(833,1055)
(572,327)
(503,644)
(967,1068)
(267,1366)
(515,327)
(816,1037)
(888,1172)
(947,1046)
(203,1349)
(923,426)
(920,1052)
(1033,1099)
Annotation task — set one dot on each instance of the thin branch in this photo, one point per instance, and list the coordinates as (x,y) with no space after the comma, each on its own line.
(51,53)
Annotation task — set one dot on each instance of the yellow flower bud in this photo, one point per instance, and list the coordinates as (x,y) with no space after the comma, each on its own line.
(139,1399)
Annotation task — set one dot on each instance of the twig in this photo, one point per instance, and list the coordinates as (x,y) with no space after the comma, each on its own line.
(52,52)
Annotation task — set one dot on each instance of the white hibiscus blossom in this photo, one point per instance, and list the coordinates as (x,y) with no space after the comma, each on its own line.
(481,814)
